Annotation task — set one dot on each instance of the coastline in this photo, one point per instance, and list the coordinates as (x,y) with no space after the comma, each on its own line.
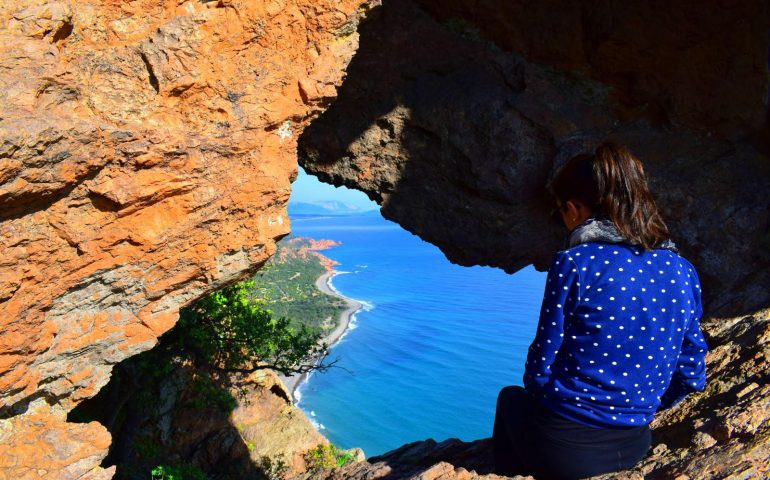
(322,284)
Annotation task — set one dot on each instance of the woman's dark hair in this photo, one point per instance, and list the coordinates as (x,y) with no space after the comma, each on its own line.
(612,183)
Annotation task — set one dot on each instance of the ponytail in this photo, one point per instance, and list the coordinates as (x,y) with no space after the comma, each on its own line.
(612,183)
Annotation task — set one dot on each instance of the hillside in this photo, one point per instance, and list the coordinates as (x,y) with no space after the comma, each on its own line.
(287,284)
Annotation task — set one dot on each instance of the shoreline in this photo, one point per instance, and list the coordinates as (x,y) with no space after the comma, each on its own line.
(322,284)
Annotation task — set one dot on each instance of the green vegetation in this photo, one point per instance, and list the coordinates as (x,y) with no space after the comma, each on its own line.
(287,285)
(274,469)
(147,448)
(197,364)
(211,395)
(224,335)
(326,456)
(181,472)
(230,332)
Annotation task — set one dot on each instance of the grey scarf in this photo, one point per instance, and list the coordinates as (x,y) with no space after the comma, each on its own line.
(599,229)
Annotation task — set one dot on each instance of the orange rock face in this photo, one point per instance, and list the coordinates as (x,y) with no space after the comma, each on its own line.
(301,247)
(320,245)
(40,444)
(146,154)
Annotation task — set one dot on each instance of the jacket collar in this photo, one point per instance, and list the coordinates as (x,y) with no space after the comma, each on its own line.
(600,229)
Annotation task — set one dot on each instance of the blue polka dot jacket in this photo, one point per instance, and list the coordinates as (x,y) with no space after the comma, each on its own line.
(618,336)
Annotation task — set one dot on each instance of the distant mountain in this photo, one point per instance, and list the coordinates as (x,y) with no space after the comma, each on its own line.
(325,208)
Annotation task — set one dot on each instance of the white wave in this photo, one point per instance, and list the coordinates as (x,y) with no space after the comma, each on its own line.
(352,325)
(298,390)
(366,306)
(339,272)
(318,425)
(311,416)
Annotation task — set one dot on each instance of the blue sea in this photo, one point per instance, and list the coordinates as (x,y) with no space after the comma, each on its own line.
(430,350)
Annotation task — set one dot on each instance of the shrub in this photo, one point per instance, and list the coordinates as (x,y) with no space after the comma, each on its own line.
(185,471)
(274,469)
(146,448)
(326,456)
(210,395)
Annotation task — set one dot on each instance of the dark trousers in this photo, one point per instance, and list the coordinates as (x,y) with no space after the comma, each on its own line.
(530,439)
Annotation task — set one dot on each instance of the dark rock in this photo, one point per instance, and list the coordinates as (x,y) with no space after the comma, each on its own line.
(451,459)
(456,139)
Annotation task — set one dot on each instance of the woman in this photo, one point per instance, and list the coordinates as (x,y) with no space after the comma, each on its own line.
(618,336)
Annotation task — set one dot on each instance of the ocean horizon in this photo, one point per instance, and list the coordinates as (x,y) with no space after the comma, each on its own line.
(431,347)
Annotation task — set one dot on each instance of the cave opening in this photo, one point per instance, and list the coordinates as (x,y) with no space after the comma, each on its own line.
(444,338)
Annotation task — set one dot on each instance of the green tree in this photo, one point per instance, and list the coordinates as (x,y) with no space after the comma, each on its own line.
(181,472)
(230,332)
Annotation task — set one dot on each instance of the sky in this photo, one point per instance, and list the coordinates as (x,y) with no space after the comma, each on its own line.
(307,189)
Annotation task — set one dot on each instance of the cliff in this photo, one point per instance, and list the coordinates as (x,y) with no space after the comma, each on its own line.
(288,284)
(147,150)
(162,409)
(298,248)
(146,155)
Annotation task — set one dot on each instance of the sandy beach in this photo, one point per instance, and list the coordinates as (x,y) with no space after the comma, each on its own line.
(322,283)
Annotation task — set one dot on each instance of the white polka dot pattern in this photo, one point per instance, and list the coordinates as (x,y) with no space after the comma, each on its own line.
(619,335)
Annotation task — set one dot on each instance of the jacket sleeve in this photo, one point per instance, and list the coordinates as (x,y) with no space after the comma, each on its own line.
(562,293)
(690,371)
